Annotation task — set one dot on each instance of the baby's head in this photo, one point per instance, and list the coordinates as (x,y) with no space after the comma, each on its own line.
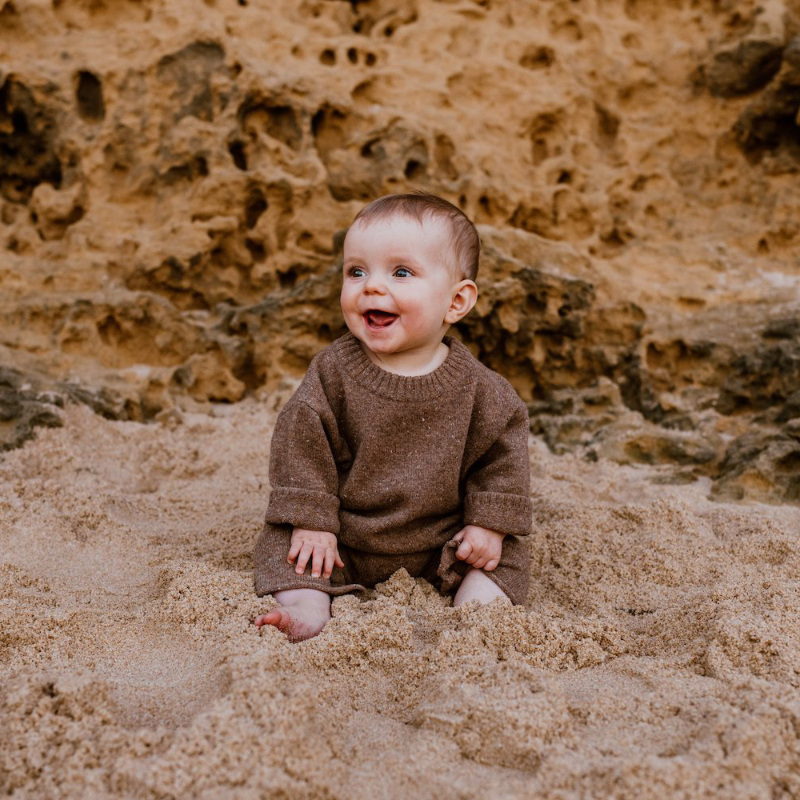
(463,246)
(410,262)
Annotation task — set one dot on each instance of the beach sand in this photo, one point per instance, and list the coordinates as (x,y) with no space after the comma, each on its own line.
(658,656)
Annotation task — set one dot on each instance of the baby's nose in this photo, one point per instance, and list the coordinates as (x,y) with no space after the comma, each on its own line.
(375,283)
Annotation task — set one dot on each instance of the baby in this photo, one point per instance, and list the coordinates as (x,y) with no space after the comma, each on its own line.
(399,448)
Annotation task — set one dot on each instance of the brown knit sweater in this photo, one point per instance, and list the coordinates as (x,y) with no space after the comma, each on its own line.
(396,465)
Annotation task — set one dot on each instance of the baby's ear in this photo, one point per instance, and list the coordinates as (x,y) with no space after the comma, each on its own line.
(465,295)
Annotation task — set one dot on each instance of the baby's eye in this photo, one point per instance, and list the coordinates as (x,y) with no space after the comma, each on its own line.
(355,272)
(403,272)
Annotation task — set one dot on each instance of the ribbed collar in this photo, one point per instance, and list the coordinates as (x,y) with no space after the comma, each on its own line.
(452,372)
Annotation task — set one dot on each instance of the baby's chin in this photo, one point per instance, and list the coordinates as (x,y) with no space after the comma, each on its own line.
(384,348)
(374,342)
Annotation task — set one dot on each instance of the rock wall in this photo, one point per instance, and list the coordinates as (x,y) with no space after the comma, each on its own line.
(176,177)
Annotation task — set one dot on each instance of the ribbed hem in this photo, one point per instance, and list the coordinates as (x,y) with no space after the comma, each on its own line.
(265,583)
(505,513)
(304,508)
(447,376)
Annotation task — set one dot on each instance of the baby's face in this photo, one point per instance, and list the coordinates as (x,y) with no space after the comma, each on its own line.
(398,284)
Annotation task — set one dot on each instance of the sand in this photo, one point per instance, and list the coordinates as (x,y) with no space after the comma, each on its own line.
(658,655)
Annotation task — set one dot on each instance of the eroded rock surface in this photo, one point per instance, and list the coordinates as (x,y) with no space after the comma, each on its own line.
(175,181)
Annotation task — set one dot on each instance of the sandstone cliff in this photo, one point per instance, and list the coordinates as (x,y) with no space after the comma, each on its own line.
(175,178)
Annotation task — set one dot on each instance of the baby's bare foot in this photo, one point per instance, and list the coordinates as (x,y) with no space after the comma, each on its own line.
(297,623)
(303,614)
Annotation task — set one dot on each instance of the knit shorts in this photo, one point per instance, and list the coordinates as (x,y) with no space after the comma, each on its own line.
(363,570)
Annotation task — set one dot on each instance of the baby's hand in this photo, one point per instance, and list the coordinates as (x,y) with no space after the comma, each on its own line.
(479,547)
(320,547)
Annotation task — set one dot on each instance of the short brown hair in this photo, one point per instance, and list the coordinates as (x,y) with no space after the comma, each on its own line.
(418,205)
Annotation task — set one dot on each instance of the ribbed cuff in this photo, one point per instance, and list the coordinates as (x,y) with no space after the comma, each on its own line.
(304,508)
(505,513)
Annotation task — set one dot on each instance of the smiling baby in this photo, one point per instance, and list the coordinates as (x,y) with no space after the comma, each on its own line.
(399,448)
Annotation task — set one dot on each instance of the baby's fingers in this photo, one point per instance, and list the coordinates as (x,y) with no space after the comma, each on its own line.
(318,561)
(475,553)
(338,559)
(330,555)
(302,559)
(491,565)
(294,550)
(480,562)
(464,551)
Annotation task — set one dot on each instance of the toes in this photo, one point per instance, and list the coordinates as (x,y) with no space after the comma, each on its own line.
(279,617)
(297,628)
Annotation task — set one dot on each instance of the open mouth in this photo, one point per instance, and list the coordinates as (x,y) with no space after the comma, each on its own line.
(379,319)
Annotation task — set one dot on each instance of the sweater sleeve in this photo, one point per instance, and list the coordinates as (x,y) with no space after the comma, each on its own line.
(498,483)
(302,471)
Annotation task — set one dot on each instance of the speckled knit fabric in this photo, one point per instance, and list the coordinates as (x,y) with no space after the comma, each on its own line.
(395,466)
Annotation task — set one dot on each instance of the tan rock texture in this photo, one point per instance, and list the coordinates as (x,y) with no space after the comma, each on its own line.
(175,178)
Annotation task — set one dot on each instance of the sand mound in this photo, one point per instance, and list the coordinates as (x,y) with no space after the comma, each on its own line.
(658,655)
